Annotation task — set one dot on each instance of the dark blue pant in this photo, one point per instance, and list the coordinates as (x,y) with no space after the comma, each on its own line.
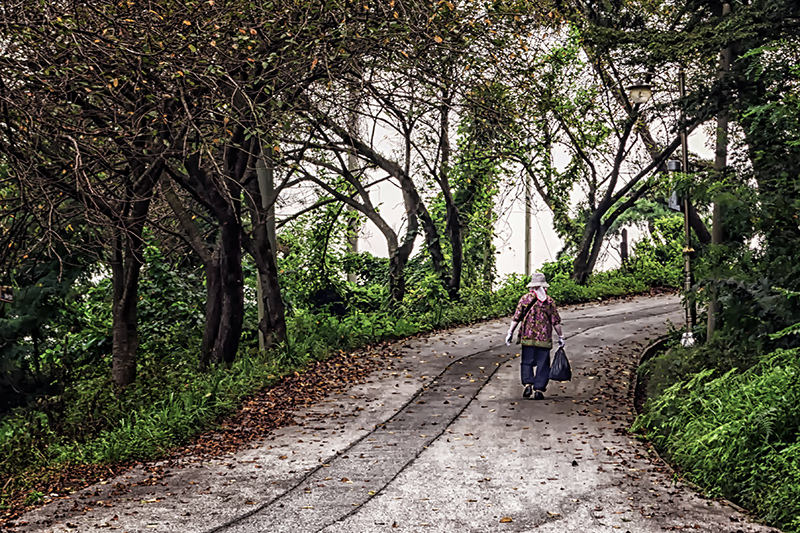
(533,356)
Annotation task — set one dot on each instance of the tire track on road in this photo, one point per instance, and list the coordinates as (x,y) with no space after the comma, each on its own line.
(377,458)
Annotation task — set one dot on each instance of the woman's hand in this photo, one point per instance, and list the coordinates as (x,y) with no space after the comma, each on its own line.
(510,335)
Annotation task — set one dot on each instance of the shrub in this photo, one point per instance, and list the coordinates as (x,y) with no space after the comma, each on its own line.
(737,434)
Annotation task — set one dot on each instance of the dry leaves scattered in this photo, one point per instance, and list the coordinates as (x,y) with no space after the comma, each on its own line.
(268,409)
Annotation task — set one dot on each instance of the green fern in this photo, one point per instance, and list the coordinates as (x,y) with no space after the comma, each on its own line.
(794,329)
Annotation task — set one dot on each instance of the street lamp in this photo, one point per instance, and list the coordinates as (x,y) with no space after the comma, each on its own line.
(639,94)
(688,337)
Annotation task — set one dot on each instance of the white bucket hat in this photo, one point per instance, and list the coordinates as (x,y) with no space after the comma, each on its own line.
(538,280)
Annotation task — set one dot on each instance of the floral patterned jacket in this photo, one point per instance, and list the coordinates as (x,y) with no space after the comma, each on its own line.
(536,328)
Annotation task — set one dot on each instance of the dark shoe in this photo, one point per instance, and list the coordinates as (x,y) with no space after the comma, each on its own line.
(538,395)
(527,392)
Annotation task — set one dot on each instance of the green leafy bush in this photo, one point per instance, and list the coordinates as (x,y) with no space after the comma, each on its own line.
(737,434)
(158,412)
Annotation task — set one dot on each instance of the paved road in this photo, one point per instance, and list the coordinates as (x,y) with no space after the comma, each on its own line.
(438,441)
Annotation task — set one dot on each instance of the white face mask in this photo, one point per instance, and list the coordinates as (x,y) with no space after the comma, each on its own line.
(540,293)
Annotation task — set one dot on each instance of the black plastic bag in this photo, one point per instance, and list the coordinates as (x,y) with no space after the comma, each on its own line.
(559,368)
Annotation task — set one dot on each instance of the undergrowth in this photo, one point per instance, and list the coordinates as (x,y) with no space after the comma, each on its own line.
(736,433)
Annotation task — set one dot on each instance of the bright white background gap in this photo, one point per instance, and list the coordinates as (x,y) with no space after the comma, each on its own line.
(510,230)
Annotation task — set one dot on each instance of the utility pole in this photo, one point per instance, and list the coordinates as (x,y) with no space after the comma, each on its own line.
(720,165)
(527,223)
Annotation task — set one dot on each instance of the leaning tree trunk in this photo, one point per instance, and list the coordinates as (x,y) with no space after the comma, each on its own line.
(452,217)
(211,265)
(591,243)
(433,241)
(398,259)
(597,246)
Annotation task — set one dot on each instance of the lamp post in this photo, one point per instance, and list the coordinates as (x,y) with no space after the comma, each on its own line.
(687,340)
(688,337)
(640,94)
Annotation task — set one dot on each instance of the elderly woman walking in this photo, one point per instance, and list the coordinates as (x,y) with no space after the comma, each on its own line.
(538,314)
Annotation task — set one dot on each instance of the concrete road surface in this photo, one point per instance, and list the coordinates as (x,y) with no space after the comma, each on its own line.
(440,440)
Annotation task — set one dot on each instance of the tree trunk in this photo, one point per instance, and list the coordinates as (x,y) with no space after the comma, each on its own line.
(263,213)
(226,343)
(591,243)
(454,233)
(597,246)
(273,324)
(397,259)
(720,165)
(210,257)
(126,266)
(433,242)
(397,283)
(398,256)
(623,247)
(353,224)
(213,307)
(125,269)
(698,226)
(452,217)
(225,279)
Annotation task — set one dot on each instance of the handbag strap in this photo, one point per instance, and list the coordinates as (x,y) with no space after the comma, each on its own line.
(528,309)
(525,315)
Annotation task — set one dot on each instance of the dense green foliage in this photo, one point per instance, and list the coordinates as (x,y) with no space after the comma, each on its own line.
(725,411)
(737,434)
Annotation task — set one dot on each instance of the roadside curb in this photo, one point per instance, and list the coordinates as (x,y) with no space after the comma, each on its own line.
(647,353)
